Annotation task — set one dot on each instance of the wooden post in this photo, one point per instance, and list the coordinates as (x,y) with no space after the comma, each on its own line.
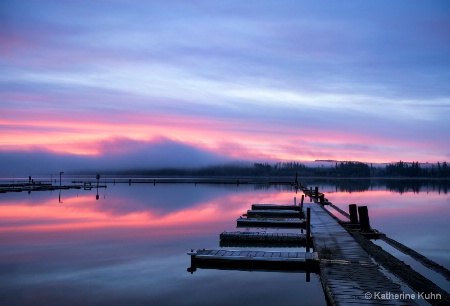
(295,201)
(353,209)
(364,218)
(322,198)
(192,268)
(308,228)
(301,203)
(317,192)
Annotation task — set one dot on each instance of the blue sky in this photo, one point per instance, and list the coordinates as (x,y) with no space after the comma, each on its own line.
(230,80)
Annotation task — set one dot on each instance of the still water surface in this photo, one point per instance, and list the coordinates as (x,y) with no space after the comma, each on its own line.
(129,246)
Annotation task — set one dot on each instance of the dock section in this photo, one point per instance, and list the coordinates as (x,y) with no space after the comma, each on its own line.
(271,222)
(272,213)
(274,207)
(262,239)
(254,260)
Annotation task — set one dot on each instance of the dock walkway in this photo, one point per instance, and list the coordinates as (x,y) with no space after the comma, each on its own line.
(348,274)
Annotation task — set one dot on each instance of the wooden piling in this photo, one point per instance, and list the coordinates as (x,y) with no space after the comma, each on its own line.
(301,203)
(322,198)
(353,210)
(316,192)
(308,228)
(364,218)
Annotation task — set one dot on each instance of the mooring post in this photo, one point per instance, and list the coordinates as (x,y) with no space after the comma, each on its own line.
(353,210)
(295,201)
(317,192)
(322,198)
(364,218)
(308,228)
(301,203)
(192,268)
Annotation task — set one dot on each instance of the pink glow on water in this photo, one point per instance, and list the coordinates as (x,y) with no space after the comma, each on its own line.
(79,213)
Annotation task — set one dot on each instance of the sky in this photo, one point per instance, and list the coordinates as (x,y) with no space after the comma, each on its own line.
(123,84)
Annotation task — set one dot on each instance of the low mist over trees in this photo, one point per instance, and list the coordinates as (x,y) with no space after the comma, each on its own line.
(332,169)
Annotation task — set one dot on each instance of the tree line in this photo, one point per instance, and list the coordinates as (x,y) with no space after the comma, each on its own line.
(414,169)
(345,169)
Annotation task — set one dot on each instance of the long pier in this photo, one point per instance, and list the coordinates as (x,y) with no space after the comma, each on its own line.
(39,186)
(348,274)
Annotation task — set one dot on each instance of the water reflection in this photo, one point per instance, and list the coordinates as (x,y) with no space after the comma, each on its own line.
(129,246)
(394,185)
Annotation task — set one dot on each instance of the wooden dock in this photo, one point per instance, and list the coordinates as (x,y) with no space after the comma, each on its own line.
(274,206)
(271,222)
(262,239)
(272,213)
(348,274)
(38,186)
(254,260)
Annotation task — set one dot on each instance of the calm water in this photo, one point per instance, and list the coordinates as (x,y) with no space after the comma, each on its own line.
(129,246)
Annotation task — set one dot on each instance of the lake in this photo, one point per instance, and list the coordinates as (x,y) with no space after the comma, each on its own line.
(130,246)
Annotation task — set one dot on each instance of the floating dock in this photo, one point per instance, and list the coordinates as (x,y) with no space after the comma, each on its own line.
(271,222)
(272,213)
(29,187)
(262,239)
(254,260)
(275,207)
